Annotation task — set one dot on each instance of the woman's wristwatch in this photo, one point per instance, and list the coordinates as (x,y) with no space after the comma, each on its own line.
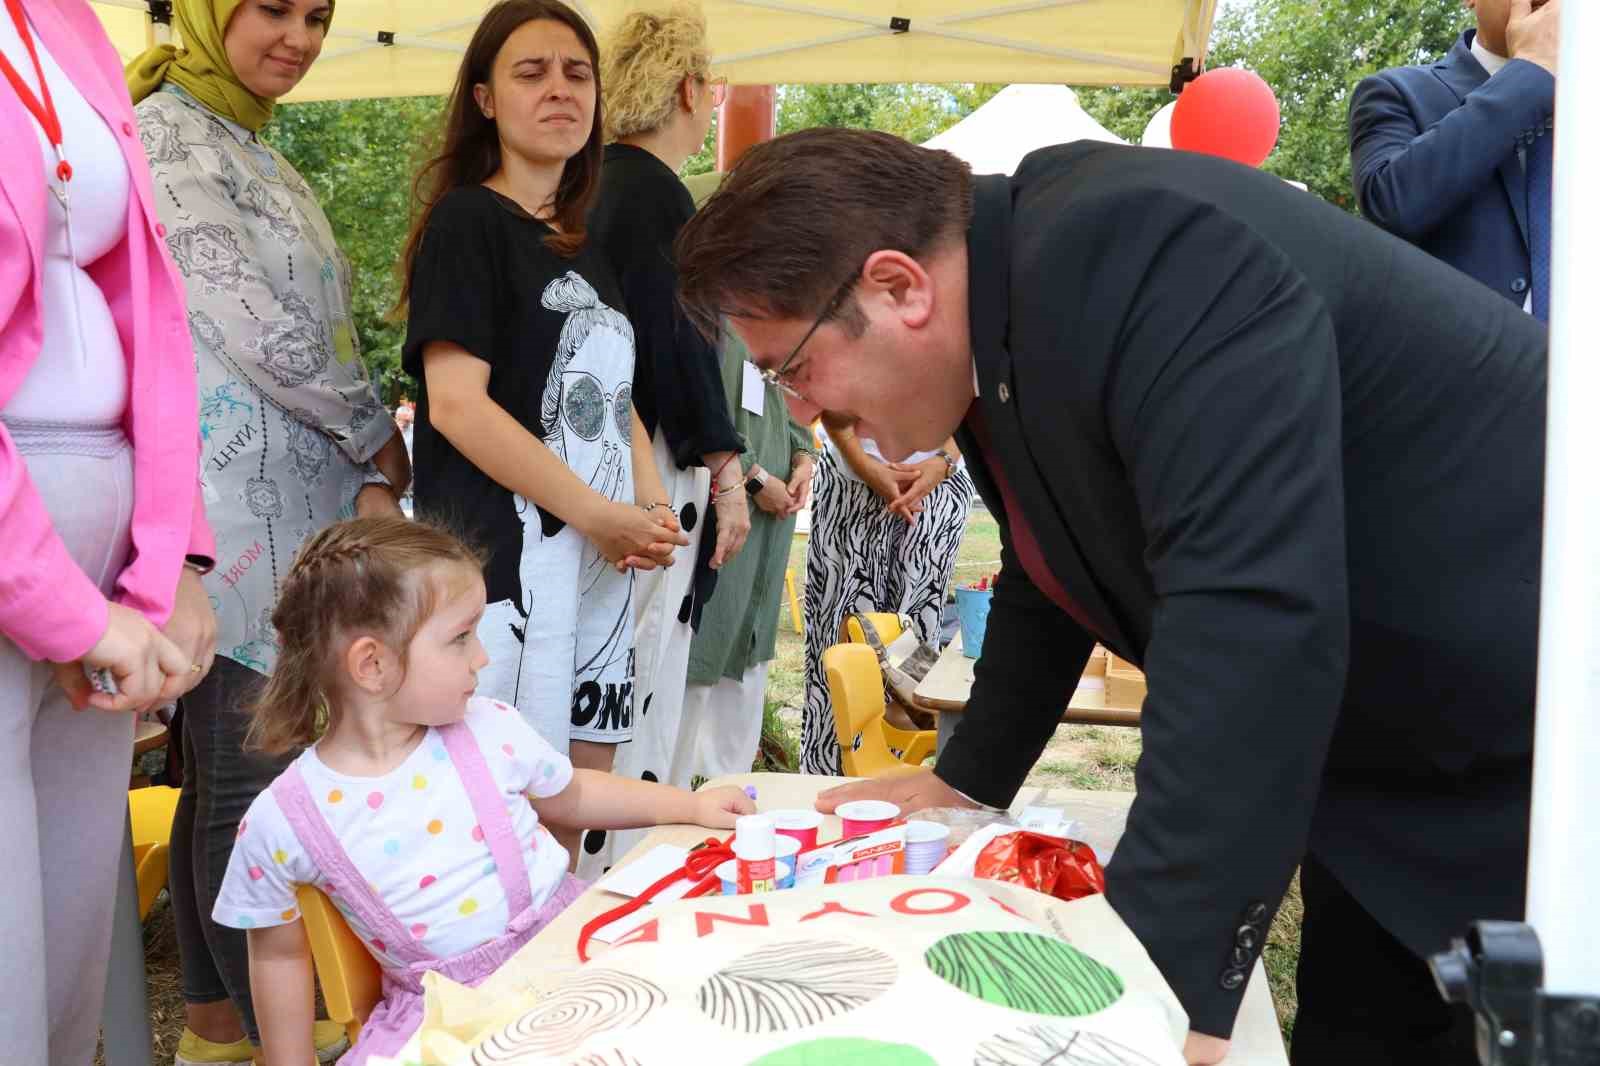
(756,481)
(949,461)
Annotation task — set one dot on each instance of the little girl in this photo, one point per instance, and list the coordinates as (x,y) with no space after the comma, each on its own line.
(419,810)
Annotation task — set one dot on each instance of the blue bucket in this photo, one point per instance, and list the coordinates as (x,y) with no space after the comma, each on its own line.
(972,609)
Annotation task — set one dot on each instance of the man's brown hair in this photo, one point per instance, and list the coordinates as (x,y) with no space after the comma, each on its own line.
(797,215)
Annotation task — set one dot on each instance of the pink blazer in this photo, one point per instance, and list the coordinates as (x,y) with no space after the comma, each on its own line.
(48,606)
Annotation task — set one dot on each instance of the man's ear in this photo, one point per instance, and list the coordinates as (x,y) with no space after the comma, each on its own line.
(904,281)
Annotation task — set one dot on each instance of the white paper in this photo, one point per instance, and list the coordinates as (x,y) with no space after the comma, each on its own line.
(652,866)
(754,394)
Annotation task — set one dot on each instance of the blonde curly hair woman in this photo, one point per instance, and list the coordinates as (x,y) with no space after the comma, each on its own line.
(659,98)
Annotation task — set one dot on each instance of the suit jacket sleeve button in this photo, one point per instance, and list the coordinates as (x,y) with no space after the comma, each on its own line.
(1239,958)
(1004,391)
(1255,914)
(1247,937)
(1231,980)
(1519,285)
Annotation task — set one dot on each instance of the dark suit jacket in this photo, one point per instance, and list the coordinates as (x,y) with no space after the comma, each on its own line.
(1293,467)
(1433,152)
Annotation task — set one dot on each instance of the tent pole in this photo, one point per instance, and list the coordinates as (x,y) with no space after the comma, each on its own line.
(1564,857)
(749,116)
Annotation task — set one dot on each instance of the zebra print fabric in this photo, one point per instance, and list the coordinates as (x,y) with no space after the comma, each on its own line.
(862,558)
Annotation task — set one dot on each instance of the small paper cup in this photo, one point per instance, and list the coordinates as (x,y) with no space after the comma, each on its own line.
(866,816)
(801,825)
(926,833)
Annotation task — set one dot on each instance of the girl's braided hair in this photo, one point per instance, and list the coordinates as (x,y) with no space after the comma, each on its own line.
(363,576)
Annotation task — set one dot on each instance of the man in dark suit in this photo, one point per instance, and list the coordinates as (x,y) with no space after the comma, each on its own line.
(1456,157)
(1286,462)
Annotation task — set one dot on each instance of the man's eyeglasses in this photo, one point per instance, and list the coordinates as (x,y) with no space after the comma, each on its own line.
(786,370)
(719,89)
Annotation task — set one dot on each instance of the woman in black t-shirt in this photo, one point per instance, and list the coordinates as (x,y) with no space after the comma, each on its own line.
(526,436)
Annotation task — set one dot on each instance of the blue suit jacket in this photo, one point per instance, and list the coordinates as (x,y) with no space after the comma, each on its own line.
(1434,158)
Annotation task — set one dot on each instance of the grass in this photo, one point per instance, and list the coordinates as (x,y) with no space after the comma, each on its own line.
(1095,758)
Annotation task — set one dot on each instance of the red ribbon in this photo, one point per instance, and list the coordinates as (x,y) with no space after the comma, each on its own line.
(45,111)
(700,866)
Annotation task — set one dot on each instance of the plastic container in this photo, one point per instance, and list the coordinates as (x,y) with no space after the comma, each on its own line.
(755,849)
(866,816)
(800,825)
(972,610)
(728,873)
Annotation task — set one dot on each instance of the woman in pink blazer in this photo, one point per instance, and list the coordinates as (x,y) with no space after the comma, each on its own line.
(102,528)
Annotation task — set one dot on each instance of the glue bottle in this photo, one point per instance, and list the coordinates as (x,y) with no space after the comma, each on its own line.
(755,852)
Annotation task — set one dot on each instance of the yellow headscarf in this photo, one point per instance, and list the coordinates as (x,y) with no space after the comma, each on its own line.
(201,67)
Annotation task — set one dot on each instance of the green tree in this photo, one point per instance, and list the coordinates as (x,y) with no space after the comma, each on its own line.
(1312,53)
(360,157)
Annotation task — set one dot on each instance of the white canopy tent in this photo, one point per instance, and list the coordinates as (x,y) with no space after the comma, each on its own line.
(412,47)
(1016,121)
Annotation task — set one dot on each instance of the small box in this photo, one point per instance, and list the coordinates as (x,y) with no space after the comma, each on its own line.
(1125,685)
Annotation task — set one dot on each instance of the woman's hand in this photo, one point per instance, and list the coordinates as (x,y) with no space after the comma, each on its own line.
(193,628)
(923,477)
(800,475)
(718,808)
(626,534)
(375,499)
(774,497)
(733,524)
(139,657)
(885,479)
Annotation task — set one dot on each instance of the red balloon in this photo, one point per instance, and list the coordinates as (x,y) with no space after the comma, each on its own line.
(1228,111)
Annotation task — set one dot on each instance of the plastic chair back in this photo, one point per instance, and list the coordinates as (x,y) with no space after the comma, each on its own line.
(352,981)
(886,623)
(151,811)
(856,687)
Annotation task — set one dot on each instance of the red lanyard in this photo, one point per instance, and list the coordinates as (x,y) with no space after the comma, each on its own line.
(45,112)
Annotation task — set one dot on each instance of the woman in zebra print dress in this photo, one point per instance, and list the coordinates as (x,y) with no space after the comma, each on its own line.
(883,538)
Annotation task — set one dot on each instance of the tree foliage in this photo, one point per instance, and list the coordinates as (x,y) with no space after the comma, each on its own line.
(1313,53)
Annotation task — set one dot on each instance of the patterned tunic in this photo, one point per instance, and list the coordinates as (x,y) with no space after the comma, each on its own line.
(289,419)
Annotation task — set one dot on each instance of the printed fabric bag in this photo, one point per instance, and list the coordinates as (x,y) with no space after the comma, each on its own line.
(895,971)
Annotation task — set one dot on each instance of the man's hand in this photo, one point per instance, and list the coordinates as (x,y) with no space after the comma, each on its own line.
(911,791)
(1533,32)
(1202,1050)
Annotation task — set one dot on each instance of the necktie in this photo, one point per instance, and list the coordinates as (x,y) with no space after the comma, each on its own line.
(1540,158)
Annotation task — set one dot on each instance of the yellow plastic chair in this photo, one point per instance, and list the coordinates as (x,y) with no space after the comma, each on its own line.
(151,810)
(856,687)
(351,980)
(914,745)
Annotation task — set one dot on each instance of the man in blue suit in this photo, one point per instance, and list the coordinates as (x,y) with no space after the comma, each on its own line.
(1455,157)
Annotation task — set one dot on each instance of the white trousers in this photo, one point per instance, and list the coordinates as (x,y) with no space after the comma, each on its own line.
(63,781)
(721,726)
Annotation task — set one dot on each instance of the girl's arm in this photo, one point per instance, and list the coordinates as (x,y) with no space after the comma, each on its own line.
(597,800)
(460,408)
(281,986)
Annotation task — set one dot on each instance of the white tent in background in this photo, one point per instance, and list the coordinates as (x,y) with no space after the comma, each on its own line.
(1019,119)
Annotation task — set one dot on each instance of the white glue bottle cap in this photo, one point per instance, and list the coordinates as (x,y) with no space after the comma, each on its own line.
(755,837)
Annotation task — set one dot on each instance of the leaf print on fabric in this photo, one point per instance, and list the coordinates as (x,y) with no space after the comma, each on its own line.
(160,137)
(258,198)
(293,349)
(1037,1044)
(207,331)
(208,251)
(263,498)
(613,1057)
(594,1002)
(794,985)
(1025,971)
(854,1050)
(309,451)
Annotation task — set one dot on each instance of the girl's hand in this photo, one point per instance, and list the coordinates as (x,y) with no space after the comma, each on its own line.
(733,525)
(717,808)
(620,530)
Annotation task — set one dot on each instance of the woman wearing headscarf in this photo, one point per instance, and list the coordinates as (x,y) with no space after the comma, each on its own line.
(101,524)
(293,434)
(660,96)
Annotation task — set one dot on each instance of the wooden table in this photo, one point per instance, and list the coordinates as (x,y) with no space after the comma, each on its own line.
(1257,1040)
(945,689)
